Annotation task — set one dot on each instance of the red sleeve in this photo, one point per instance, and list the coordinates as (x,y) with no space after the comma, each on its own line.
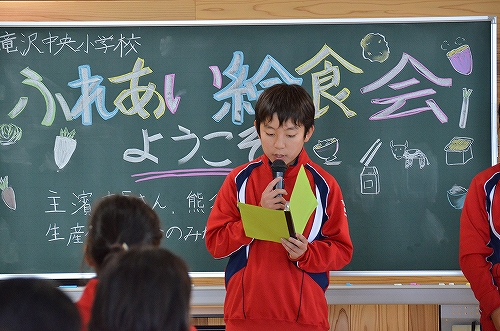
(335,250)
(473,249)
(84,304)
(225,233)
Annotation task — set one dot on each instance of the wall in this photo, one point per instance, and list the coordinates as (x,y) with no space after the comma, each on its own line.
(358,317)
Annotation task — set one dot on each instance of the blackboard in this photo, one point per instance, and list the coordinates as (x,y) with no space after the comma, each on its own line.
(406,117)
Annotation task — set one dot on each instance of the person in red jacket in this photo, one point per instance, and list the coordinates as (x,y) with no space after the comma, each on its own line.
(116,222)
(479,249)
(269,285)
(144,288)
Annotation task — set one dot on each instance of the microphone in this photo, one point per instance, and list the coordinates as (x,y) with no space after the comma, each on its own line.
(279,167)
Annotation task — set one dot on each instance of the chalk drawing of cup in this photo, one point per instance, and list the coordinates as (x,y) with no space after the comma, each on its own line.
(456,196)
(461,59)
(326,150)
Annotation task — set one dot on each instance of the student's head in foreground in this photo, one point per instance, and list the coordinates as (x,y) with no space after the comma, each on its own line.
(119,220)
(34,304)
(284,121)
(144,288)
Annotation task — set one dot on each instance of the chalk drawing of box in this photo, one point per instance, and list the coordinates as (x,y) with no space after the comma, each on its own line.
(369,179)
(459,151)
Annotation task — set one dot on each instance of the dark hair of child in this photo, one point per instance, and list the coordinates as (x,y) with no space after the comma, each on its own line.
(144,288)
(278,99)
(119,220)
(35,304)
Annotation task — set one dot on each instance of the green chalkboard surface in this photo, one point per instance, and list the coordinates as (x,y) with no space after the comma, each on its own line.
(405,118)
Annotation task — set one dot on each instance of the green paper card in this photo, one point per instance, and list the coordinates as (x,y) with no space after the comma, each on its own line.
(269,224)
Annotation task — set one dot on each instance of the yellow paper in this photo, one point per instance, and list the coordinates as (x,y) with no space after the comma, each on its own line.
(263,223)
(302,201)
(269,224)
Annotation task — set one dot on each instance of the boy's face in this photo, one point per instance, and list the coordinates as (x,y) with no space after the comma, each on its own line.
(282,142)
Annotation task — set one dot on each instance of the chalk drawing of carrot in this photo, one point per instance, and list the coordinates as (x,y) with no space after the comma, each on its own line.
(64,147)
(8,195)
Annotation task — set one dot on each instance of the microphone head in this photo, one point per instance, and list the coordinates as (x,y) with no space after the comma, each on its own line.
(278,166)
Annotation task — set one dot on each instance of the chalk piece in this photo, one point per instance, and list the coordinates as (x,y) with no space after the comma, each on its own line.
(468,284)
(451,283)
(442,284)
(398,284)
(348,284)
(414,284)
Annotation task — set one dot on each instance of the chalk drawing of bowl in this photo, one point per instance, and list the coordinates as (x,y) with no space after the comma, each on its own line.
(326,150)
(461,59)
(456,196)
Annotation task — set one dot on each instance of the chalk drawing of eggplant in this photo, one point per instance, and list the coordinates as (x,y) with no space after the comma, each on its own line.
(461,59)
(8,195)
(64,147)
(9,134)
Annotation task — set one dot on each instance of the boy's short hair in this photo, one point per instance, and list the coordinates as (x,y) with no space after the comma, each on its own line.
(289,102)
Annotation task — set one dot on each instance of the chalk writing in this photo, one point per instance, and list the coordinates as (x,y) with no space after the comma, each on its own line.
(54,203)
(242,86)
(92,93)
(55,44)
(400,100)
(76,235)
(136,155)
(53,232)
(196,202)
(84,203)
(189,135)
(7,42)
(35,80)
(138,101)
(176,232)
(330,74)
(165,113)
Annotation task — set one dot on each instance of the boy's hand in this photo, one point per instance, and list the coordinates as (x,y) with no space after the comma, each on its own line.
(295,247)
(273,198)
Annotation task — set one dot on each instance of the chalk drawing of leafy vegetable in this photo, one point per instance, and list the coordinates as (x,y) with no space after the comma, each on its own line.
(9,134)
(8,195)
(64,147)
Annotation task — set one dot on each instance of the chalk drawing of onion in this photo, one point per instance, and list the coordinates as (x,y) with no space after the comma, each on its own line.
(9,134)
(8,195)
(461,59)
(64,147)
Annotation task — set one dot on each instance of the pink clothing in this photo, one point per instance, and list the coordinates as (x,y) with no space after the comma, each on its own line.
(480,242)
(265,290)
